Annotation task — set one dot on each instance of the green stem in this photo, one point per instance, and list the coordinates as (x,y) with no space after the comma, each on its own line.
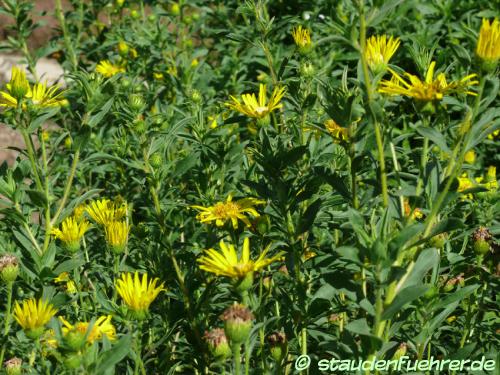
(68,44)
(237,358)
(31,157)
(378,133)
(67,188)
(423,165)
(45,176)
(8,309)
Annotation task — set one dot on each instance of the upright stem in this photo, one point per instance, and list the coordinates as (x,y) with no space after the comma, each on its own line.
(67,187)
(67,40)
(237,358)
(378,132)
(8,308)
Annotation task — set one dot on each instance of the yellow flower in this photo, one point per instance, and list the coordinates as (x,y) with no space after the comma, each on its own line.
(194,63)
(488,43)
(71,232)
(108,69)
(494,134)
(415,214)
(226,262)
(43,96)
(19,89)
(104,211)
(338,132)
(70,284)
(302,38)
(33,315)
(138,294)
(490,179)
(158,76)
(116,233)
(102,327)
(213,121)
(379,50)
(470,157)
(79,211)
(260,108)
(222,212)
(432,88)
(465,183)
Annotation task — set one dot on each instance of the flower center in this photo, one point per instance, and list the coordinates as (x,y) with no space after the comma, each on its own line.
(226,210)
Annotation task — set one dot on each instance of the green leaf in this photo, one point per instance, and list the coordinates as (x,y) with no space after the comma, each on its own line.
(404,297)
(359,327)
(458,295)
(425,261)
(94,120)
(40,120)
(110,358)
(307,220)
(37,198)
(434,136)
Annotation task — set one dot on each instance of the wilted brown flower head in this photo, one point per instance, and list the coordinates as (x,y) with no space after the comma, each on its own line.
(482,234)
(237,313)
(215,337)
(276,338)
(8,260)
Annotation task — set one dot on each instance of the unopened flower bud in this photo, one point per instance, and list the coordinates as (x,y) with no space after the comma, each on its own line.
(136,102)
(196,96)
(237,322)
(134,14)
(278,346)
(439,240)
(307,70)
(75,338)
(139,126)
(217,343)
(400,352)
(73,361)
(175,9)
(156,160)
(9,268)
(123,48)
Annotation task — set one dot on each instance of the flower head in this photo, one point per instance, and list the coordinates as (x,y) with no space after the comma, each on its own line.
(13,366)
(431,89)
(338,132)
(258,108)
(104,211)
(231,210)
(413,214)
(488,44)
(379,50)
(71,232)
(70,284)
(39,96)
(75,333)
(302,39)
(33,315)
(138,294)
(465,183)
(227,263)
(116,233)
(108,69)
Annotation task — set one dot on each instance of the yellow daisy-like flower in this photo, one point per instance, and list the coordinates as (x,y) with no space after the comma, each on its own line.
(108,69)
(102,327)
(431,89)
(116,233)
(379,50)
(231,210)
(104,211)
(40,96)
(71,232)
(302,38)
(70,284)
(258,108)
(226,262)
(43,96)
(33,315)
(465,183)
(338,132)
(138,294)
(488,43)
(490,180)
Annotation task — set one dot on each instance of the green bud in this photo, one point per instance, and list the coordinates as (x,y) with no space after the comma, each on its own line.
(439,240)
(156,160)
(35,333)
(175,9)
(264,121)
(400,352)
(196,96)
(125,83)
(237,323)
(135,14)
(136,102)
(139,126)
(151,18)
(307,70)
